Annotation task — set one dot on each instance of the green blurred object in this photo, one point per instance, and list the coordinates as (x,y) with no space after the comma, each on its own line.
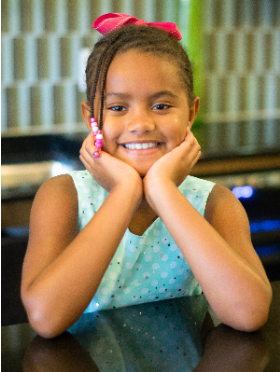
(194,44)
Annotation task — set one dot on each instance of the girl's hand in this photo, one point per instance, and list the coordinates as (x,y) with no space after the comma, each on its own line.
(107,170)
(172,168)
(176,165)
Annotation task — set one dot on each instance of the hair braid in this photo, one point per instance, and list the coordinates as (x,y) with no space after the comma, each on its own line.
(108,62)
(98,69)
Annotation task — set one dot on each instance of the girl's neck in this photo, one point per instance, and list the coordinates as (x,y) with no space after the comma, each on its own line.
(142,219)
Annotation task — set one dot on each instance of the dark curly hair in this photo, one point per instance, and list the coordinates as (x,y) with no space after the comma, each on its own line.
(146,39)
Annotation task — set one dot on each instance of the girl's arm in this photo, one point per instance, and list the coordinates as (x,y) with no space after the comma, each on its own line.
(218,247)
(63,268)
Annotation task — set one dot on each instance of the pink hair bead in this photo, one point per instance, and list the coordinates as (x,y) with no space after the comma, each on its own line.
(98,144)
(98,140)
(93,122)
(94,126)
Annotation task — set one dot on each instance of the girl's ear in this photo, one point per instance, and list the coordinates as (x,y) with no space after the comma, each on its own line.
(85,110)
(193,111)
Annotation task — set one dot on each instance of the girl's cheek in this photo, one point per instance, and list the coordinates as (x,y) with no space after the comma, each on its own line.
(105,146)
(108,144)
(104,142)
(109,130)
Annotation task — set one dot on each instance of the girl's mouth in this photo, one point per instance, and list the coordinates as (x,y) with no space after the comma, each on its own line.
(141,146)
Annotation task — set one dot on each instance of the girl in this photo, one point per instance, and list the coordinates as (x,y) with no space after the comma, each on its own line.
(135,227)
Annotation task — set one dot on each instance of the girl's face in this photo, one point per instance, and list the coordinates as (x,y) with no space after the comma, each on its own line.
(146,110)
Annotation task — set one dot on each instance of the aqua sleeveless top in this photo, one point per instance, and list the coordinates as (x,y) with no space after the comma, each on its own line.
(144,268)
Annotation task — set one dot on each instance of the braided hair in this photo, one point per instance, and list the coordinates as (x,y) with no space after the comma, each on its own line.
(146,39)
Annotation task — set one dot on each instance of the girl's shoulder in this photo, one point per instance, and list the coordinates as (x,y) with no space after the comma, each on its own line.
(54,215)
(61,183)
(224,208)
(68,184)
(220,195)
(57,191)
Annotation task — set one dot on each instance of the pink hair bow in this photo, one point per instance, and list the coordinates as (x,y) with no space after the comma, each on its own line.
(111,21)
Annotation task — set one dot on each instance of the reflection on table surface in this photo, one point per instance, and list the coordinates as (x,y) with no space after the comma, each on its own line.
(226,350)
(172,335)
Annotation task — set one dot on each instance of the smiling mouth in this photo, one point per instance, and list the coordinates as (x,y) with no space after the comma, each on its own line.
(141,146)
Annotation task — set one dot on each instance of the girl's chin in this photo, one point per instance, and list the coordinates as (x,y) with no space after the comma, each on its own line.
(141,166)
(142,172)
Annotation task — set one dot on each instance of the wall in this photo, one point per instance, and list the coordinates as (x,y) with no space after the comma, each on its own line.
(241,96)
(43,40)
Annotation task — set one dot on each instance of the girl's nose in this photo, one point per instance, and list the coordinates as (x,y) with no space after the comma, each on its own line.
(141,122)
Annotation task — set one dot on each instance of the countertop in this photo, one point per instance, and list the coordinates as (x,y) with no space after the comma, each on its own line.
(172,335)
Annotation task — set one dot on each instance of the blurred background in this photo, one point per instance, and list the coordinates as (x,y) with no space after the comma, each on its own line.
(234,46)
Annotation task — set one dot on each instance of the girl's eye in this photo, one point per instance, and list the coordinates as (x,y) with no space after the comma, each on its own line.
(161,106)
(117,108)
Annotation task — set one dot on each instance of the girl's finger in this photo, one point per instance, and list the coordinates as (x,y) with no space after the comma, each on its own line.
(85,153)
(189,135)
(195,159)
(188,132)
(197,156)
(191,145)
(90,148)
(84,161)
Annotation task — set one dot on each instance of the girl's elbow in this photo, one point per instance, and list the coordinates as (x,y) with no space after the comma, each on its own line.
(41,320)
(43,326)
(254,314)
(259,313)
(252,319)
(255,322)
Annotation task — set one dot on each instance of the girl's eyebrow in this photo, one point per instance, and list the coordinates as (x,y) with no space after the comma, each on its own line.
(164,93)
(152,96)
(118,95)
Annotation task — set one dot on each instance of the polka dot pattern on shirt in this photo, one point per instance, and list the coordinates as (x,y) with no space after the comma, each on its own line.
(144,268)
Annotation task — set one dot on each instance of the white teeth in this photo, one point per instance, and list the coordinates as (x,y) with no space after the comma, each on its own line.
(140,146)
